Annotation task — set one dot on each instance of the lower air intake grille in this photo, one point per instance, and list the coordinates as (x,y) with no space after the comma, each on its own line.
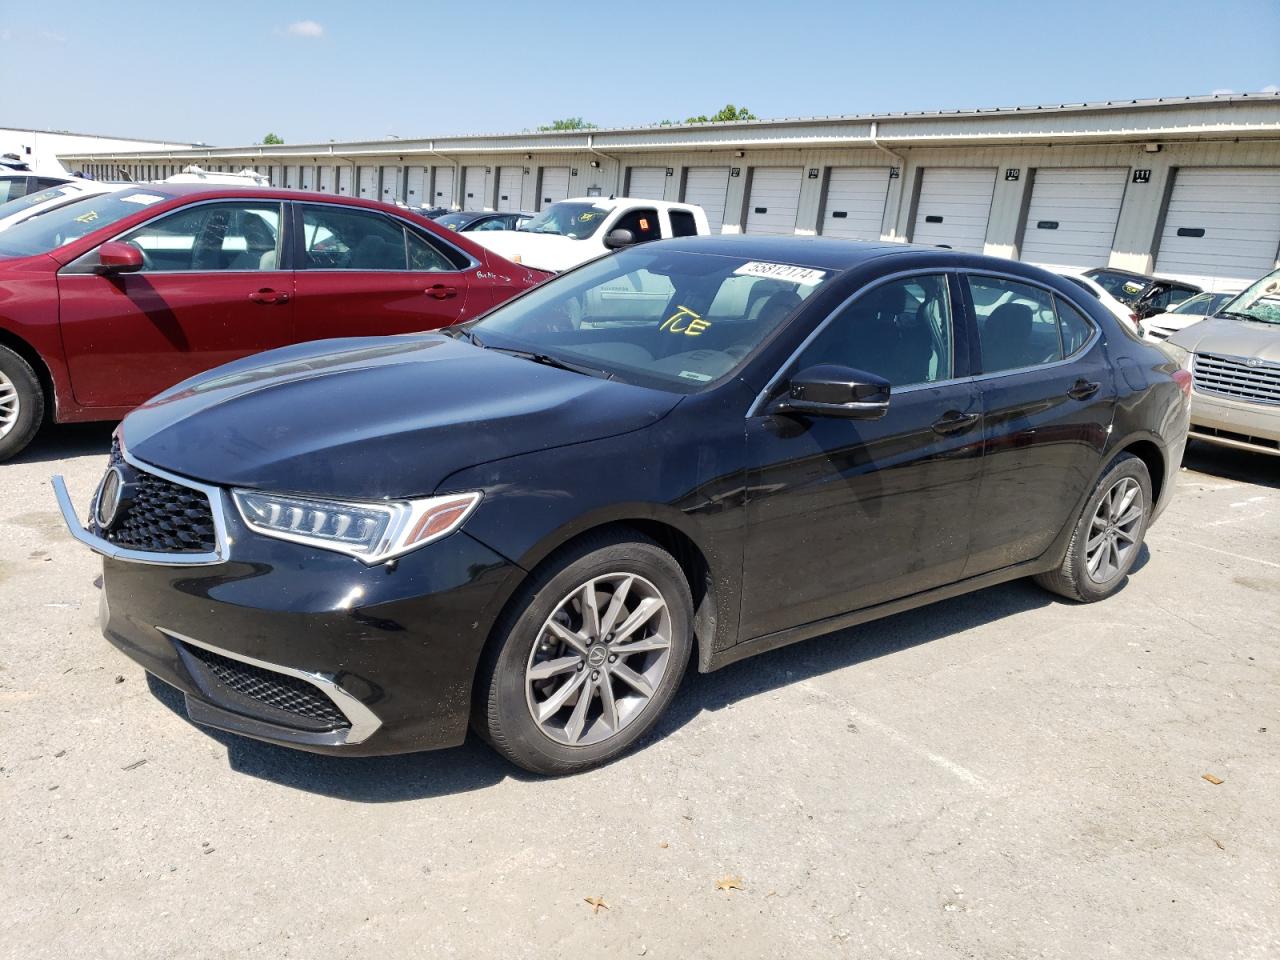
(276,691)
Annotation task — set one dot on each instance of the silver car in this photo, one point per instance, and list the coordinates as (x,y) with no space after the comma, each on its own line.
(1234,359)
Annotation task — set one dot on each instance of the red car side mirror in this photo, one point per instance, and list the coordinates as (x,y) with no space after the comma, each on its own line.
(117,257)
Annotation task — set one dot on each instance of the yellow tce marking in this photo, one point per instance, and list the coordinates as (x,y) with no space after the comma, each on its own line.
(685,321)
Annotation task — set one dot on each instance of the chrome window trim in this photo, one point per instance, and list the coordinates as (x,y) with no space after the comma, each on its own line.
(106,548)
(364,722)
(756,407)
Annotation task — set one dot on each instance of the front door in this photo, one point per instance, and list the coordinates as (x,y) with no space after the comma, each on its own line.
(363,273)
(211,290)
(844,514)
(1049,399)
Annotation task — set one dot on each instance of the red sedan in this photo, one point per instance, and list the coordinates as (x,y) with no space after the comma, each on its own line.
(108,301)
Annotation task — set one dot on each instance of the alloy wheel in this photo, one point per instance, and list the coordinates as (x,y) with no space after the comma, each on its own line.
(598,659)
(1114,531)
(10,404)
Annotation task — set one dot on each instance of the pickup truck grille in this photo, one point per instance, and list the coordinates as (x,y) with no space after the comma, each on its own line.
(1240,378)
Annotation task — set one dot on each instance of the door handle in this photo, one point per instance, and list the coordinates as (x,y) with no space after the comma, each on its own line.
(953,421)
(1083,389)
(267,295)
(441,292)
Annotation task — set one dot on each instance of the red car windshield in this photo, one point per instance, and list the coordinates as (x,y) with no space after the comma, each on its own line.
(60,226)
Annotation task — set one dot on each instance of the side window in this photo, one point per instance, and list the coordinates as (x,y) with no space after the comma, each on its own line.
(1075,328)
(45,183)
(494,223)
(423,255)
(901,330)
(211,237)
(341,238)
(642,223)
(683,224)
(1017,324)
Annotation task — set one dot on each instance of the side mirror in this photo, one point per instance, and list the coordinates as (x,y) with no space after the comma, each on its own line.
(117,257)
(617,239)
(828,390)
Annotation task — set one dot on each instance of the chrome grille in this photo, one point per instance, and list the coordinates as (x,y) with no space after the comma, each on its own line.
(1239,378)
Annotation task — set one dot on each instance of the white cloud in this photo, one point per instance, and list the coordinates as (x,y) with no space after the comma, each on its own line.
(305,28)
(1222,91)
(1271,88)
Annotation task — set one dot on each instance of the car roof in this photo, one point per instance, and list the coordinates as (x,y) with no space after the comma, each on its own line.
(829,253)
(612,203)
(219,191)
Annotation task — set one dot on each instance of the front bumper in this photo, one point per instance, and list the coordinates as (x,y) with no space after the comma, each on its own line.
(305,647)
(1233,423)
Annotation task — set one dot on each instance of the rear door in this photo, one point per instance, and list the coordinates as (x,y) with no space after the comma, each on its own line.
(364,273)
(844,514)
(1048,397)
(212,290)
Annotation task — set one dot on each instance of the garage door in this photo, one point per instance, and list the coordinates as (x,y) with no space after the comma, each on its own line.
(510,188)
(416,186)
(555,185)
(291,176)
(277,175)
(1222,227)
(774,201)
(473,192)
(307,178)
(344,180)
(953,208)
(368,182)
(1071,220)
(325,179)
(707,187)
(647,183)
(443,195)
(390,184)
(855,202)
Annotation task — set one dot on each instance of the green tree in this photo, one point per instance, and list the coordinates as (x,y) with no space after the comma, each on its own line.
(568,123)
(729,112)
(272,138)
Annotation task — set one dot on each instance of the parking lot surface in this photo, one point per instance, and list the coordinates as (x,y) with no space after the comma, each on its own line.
(1004,775)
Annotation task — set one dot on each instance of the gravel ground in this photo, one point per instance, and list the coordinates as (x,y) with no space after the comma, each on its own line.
(1001,775)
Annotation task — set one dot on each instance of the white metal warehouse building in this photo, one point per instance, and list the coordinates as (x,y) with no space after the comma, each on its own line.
(1187,188)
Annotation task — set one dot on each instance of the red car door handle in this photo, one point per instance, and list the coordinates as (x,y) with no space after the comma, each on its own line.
(953,421)
(267,295)
(441,292)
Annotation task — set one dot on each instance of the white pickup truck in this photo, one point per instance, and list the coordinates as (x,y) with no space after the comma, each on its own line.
(574,231)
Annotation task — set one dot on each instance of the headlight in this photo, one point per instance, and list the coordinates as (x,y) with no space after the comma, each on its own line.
(372,532)
(1179,355)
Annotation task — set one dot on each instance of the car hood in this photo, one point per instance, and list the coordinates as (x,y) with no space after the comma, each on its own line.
(1236,338)
(545,251)
(374,418)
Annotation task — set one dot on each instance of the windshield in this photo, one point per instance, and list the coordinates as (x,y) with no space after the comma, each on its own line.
(1128,290)
(455,221)
(35,199)
(567,218)
(674,320)
(1259,302)
(1202,304)
(60,226)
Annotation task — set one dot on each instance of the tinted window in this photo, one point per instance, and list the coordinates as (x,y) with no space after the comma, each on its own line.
(1169,297)
(671,320)
(340,238)
(1123,287)
(211,236)
(13,187)
(1024,326)
(683,224)
(642,223)
(493,223)
(901,331)
(424,255)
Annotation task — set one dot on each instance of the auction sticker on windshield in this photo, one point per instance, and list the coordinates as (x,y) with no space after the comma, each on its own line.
(146,199)
(804,276)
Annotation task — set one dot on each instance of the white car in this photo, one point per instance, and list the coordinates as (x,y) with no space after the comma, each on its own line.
(193,174)
(1161,326)
(1118,309)
(574,231)
(34,204)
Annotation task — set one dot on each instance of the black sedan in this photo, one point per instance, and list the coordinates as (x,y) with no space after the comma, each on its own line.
(696,449)
(467,221)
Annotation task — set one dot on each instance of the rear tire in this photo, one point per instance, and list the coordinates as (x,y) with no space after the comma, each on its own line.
(1108,535)
(21,403)
(587,656)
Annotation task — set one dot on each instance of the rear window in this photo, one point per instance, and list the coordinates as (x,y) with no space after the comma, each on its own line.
(683,224)
(1128,290)
(74,220)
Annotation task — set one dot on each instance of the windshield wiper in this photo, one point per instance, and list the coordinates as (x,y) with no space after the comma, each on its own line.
(549,361)
(1241,316)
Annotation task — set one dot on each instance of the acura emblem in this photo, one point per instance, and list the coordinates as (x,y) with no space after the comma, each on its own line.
(109,497)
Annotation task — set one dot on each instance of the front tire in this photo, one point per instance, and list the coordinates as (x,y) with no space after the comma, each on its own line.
(1108,536)
(21,403)
(587,657)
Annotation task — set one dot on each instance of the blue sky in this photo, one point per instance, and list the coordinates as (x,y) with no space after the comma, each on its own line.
(315,71)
